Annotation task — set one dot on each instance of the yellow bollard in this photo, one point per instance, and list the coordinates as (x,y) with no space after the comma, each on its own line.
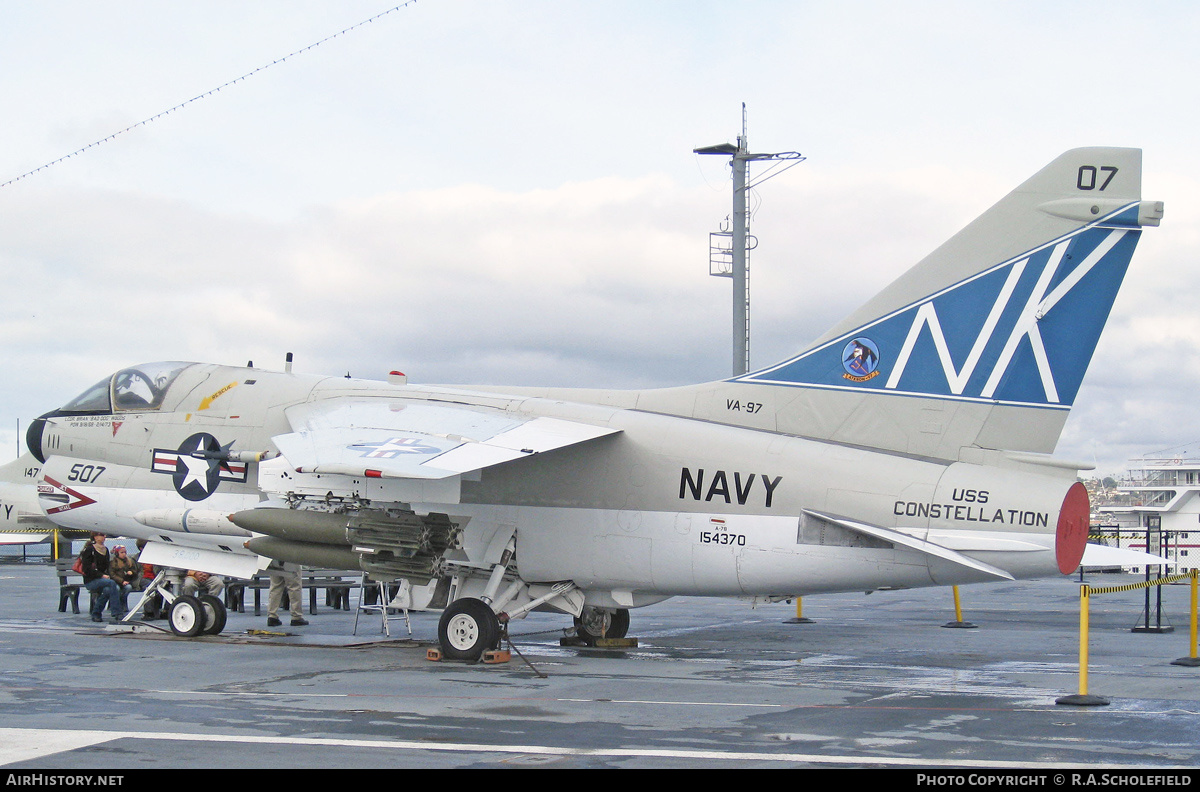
(799,618)
(1085,599)
(958,622)
(1191,660)
(1082,698)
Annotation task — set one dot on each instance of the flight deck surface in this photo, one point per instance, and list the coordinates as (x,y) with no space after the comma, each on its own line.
(872,682)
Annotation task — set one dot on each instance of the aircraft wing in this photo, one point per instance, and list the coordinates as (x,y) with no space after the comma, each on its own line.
(395,439)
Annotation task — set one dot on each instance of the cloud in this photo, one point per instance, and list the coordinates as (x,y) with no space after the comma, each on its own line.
(503,192)
(597,283)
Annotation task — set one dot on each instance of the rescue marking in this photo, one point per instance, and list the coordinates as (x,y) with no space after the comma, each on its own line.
(206,402)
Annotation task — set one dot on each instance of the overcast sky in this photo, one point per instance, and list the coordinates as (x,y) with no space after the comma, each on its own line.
(505,192)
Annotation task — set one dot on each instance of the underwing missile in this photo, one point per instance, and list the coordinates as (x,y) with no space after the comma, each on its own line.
(297,525)
(197,521)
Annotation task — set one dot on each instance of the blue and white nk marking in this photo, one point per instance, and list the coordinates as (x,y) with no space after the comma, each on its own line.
(1020,332)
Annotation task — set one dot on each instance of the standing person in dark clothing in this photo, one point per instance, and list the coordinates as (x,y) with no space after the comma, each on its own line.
(95,559)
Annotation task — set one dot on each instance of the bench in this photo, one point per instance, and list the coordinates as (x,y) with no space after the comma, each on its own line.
(337,585)
(69,584)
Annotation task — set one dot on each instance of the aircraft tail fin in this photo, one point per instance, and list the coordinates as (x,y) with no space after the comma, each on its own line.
(984,342)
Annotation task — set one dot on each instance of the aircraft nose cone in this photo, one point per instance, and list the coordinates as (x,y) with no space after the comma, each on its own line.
(33,438)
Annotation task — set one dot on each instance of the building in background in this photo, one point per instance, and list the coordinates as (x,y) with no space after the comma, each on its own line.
(1155,507)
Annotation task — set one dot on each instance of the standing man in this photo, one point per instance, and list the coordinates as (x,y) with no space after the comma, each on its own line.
(286,577)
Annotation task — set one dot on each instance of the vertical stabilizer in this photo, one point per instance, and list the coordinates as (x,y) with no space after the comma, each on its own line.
(984,342)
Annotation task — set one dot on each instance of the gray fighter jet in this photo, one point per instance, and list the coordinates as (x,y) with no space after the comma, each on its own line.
(908,446)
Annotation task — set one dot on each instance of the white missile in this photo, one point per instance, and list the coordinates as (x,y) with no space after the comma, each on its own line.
(197,521)
(252,456)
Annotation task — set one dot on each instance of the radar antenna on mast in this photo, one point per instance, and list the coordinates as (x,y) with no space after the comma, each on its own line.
(729,247)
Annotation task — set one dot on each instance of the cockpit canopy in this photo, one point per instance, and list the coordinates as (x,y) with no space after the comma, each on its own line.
(139,388)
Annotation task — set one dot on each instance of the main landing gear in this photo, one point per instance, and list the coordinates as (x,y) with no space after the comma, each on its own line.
(597,623)
(468,628)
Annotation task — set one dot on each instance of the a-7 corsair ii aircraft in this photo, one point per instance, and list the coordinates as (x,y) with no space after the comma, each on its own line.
(905,447)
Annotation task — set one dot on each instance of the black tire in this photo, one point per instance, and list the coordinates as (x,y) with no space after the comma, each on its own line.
(186,617)
(214,614)
(467,629)
(597,623)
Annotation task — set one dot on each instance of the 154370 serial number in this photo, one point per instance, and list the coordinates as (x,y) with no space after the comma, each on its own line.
(722,538)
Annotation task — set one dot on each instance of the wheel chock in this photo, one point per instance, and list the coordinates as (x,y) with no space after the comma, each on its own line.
(616,643)
(600,643)
(492,656)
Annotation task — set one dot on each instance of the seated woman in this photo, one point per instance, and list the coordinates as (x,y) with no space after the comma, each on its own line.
(95,560)
(126,573)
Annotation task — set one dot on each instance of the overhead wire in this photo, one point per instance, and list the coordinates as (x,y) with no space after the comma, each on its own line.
(208,93)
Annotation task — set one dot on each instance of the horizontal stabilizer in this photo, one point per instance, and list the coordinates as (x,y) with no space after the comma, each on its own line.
(1095,555)
(913,543)
(23,538)
(979,541)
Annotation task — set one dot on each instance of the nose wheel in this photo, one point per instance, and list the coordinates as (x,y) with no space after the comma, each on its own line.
(186,617)
(214,614)
(202,615)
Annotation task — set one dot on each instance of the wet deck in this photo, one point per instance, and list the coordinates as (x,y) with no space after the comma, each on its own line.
(874,681)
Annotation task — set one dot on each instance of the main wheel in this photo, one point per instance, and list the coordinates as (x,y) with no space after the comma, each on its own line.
(596,623)
(467,629)
(620,624)
(214,614)
(186,617)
